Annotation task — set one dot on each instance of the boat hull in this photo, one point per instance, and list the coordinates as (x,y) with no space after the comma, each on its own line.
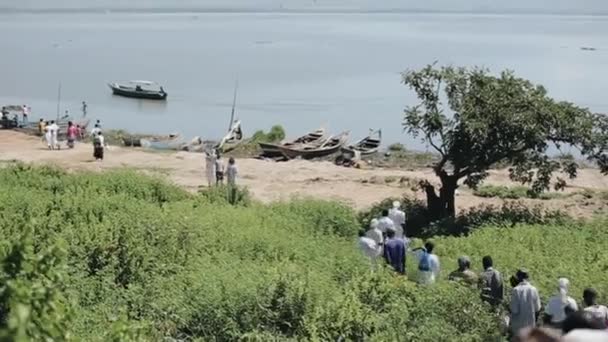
(312,153)
(145,94)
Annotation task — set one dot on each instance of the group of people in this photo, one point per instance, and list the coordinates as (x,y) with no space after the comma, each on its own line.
(50,132)
(215,170)
(386,240)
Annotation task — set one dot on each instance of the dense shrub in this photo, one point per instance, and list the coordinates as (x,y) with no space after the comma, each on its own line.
(418,223)
(276,134)
(515,192)
(141,260)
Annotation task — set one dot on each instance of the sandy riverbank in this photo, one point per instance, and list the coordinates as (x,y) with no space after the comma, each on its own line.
(270,181)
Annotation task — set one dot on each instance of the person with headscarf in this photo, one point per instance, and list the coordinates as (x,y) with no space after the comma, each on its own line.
(464,273)
(398,217)
(375,234)
(525,304)
(368,247)
(559,304)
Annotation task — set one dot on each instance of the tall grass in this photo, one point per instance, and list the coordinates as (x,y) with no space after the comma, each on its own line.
(144,260)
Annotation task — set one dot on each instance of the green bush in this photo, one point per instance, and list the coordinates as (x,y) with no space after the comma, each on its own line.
(419,225)
(515,192)
(276,134)
(396,147)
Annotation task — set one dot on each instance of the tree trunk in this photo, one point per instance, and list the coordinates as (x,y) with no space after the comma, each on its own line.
(442,205)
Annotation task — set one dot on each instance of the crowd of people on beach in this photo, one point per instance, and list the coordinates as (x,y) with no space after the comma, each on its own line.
(50,131)
(386,243)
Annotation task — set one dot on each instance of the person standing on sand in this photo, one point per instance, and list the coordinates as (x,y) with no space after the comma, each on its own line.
(51,135)
(210,167)
(48,135)
(98,146)
(219,169)
(525,304)
(72,133)
(41,127)
(398,217)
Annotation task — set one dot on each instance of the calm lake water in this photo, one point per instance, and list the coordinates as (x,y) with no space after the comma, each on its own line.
(298,70)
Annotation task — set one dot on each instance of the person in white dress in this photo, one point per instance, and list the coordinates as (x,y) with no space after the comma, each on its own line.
(51,136)
(210,159)
(398,217)
(558,305)
(375,234)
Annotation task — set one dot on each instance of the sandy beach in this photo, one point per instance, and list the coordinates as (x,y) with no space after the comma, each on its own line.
(271,181)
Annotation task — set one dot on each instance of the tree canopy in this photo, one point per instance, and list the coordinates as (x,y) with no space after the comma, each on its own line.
(474,120)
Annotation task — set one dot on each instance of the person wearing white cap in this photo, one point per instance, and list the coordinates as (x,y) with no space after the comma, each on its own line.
(398,218)
(555,311)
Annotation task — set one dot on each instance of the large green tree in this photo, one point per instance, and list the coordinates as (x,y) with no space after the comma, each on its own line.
(474,120)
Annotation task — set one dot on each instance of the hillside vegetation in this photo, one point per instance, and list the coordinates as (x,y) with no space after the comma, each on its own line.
(123,257)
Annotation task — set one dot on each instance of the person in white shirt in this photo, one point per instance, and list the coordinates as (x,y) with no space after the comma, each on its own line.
(525,304)
(52,131)
(555,311)
(374,233)
(99,144)
(595,311)
(398,217)
(95,130)
(428,263)
(48,136)
(385,222)
(369,248)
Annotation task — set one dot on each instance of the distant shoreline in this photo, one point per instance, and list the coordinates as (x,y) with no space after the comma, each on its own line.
(7,10)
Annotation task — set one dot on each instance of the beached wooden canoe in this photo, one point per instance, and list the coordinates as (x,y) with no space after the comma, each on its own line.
(366,146)
(329,146)
(139,90)
(313,138)
(170,142)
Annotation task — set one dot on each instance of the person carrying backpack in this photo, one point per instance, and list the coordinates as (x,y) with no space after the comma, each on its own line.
(428,263)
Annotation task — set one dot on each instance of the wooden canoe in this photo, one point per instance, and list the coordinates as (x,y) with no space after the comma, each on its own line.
(272,150)
(366,146)
(329,146)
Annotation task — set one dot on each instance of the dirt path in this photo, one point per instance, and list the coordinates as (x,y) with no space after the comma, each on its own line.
(270,181)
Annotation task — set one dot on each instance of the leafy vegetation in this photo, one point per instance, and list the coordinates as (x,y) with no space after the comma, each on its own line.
(276,134)
(421,225)
(123,257)
(476,120)
(515,192)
